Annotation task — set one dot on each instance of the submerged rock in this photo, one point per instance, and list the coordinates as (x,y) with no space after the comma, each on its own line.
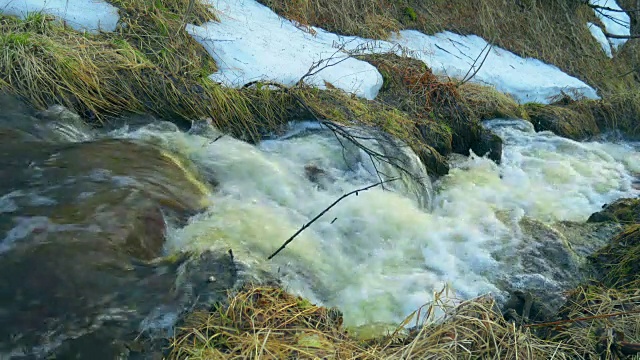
(553,259)
(488,144)
(82,230)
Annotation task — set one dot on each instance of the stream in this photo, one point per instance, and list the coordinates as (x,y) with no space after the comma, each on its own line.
(380,255)
(96,223)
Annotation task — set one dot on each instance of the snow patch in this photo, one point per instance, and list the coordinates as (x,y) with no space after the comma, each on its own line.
(526,79)
(615,22)
(252,43)
(82,15)
(599,35)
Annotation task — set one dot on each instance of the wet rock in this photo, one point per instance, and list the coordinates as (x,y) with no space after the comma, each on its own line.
(436,135)
(318,176)
(82,235)
(435,163)
(585,239)
(548,267)
(488,144)
(623,211)
(552,259)
(526,306)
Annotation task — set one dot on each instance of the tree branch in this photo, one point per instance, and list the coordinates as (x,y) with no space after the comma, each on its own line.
(283,246)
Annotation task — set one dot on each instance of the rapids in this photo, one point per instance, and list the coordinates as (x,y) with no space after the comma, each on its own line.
(380,255)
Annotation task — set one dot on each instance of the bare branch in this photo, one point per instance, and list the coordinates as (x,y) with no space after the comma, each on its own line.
(284,245)
(613,36)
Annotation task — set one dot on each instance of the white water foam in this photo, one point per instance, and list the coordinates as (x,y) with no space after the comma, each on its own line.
(379,256)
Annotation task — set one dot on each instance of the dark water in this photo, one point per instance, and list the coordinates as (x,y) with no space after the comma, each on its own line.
(83,222)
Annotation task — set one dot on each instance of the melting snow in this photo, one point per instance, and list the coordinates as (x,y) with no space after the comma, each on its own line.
(615,21)
(599,35)
(252,43)
(89,15)
(526,79)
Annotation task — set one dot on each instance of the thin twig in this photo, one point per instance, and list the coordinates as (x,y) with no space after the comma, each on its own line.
(568,321)
(324,212)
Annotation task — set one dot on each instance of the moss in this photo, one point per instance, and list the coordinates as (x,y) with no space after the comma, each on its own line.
(410,14)
(566,121)
(620,111)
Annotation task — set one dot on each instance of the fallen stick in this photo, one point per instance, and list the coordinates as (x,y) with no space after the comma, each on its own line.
(325,211)
(568,321)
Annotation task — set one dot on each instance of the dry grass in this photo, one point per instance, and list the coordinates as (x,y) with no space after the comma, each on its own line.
(563,120)
(106,75)
(553,31)
(609,316)
(488,103)
(268,323)
(618,264)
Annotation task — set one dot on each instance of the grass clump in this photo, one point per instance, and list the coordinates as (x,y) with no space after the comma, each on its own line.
(618,264)
(562,120)
(268,323)
(447,113)
(264,323)
(603,321)
(106,75)
(486,103)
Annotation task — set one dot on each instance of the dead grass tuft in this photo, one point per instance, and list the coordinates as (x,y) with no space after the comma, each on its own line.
(265,323)
(268,323)
(603,322)
(570,121)
(618,264)
(487,103)
(105,75)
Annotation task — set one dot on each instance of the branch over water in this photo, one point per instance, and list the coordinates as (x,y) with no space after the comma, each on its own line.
(325,211)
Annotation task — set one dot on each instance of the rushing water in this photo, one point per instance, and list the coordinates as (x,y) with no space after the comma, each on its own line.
(381,254)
